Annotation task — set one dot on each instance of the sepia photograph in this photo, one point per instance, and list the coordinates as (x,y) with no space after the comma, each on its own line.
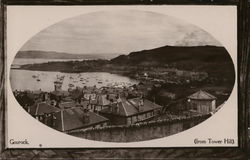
(123,75)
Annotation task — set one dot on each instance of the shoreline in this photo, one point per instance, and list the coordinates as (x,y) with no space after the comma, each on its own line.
(167,87)
(123,73)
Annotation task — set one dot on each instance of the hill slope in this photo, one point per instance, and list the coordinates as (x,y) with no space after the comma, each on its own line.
(212,59)
(174,54)
(60,55)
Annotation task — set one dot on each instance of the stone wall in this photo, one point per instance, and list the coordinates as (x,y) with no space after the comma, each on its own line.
(140,131)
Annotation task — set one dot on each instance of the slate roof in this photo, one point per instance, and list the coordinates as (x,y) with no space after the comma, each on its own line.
(202,95)
(100,100)
(147,104)
(130,107)
(70,119)
(103,99)
(42,108)
(32,109)
(71,104)
(65,105)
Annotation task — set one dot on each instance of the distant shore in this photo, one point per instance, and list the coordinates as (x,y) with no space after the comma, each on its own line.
(77,67)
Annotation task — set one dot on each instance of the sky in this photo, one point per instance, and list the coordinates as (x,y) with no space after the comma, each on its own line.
(118,32)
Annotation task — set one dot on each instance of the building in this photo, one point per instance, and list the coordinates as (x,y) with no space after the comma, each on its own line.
(201,102)
(61,94)
(77,118)
(144,87)
(112,90)
(103,101)
(58,85)
(58,93)
(70,118)
(66,105)
(72,104)
(130,111)
(89,95)
(40,110)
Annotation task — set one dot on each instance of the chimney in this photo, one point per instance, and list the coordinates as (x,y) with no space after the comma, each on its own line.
(86,116)
(57,104)
(46,119)
(117,108)
(45,97)
(53,120)
(112,106)
(53,103)
(141,103)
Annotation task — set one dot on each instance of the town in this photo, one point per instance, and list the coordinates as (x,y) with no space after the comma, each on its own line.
(88,107)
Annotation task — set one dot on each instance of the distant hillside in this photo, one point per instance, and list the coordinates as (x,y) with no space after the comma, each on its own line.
(60,55)
(212,59)
(175,54)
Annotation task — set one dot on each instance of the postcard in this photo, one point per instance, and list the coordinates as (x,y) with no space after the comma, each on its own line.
(132,76)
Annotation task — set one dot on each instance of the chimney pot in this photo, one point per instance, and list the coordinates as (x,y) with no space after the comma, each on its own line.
(86,116)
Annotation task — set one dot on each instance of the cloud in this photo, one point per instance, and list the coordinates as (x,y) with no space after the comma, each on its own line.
(197,37)
(117,32)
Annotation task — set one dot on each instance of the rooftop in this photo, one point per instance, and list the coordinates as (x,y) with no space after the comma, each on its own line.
(130,107)
(104,99)
(42,108)
(202,95)
(70,119)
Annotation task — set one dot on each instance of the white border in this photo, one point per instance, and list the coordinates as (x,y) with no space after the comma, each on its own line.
(25,21)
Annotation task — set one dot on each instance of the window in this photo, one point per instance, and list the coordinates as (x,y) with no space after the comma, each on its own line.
(129,120)
(134,119)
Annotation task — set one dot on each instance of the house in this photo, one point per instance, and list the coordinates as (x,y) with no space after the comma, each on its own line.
(71,104)
(58,92)
(61,93)
(202,102)
(35,95)
(143,88)
(24,98)
(130,111)
(103,101)
(89,93)
(66,119)
(38,110)
(76,118)
(112,90)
